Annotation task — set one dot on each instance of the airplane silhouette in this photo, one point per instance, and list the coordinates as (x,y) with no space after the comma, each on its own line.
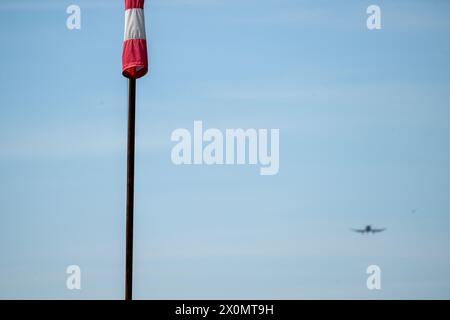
(368,229)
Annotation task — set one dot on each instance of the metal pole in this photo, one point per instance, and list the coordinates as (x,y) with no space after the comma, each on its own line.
(130,190)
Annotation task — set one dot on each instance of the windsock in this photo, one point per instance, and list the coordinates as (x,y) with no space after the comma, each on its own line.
(134,55)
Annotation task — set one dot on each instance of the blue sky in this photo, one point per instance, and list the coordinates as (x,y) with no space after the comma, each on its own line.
(364,139)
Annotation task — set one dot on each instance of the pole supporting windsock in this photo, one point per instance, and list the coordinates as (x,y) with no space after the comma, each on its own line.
(130,190)
(134,66)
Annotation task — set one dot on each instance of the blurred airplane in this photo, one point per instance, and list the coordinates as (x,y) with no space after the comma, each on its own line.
(368,229)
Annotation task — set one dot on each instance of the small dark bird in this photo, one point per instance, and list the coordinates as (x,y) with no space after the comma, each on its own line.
(368,229)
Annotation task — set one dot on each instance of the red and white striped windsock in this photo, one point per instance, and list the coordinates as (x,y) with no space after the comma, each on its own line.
(134,56)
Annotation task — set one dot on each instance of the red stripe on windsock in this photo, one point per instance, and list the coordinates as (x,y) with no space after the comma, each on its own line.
(134,4)
(134,58)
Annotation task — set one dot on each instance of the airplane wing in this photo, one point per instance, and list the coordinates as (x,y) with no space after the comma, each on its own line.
(359,230)
(378,230)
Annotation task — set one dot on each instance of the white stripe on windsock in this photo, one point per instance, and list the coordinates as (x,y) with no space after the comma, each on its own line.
(134,24)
